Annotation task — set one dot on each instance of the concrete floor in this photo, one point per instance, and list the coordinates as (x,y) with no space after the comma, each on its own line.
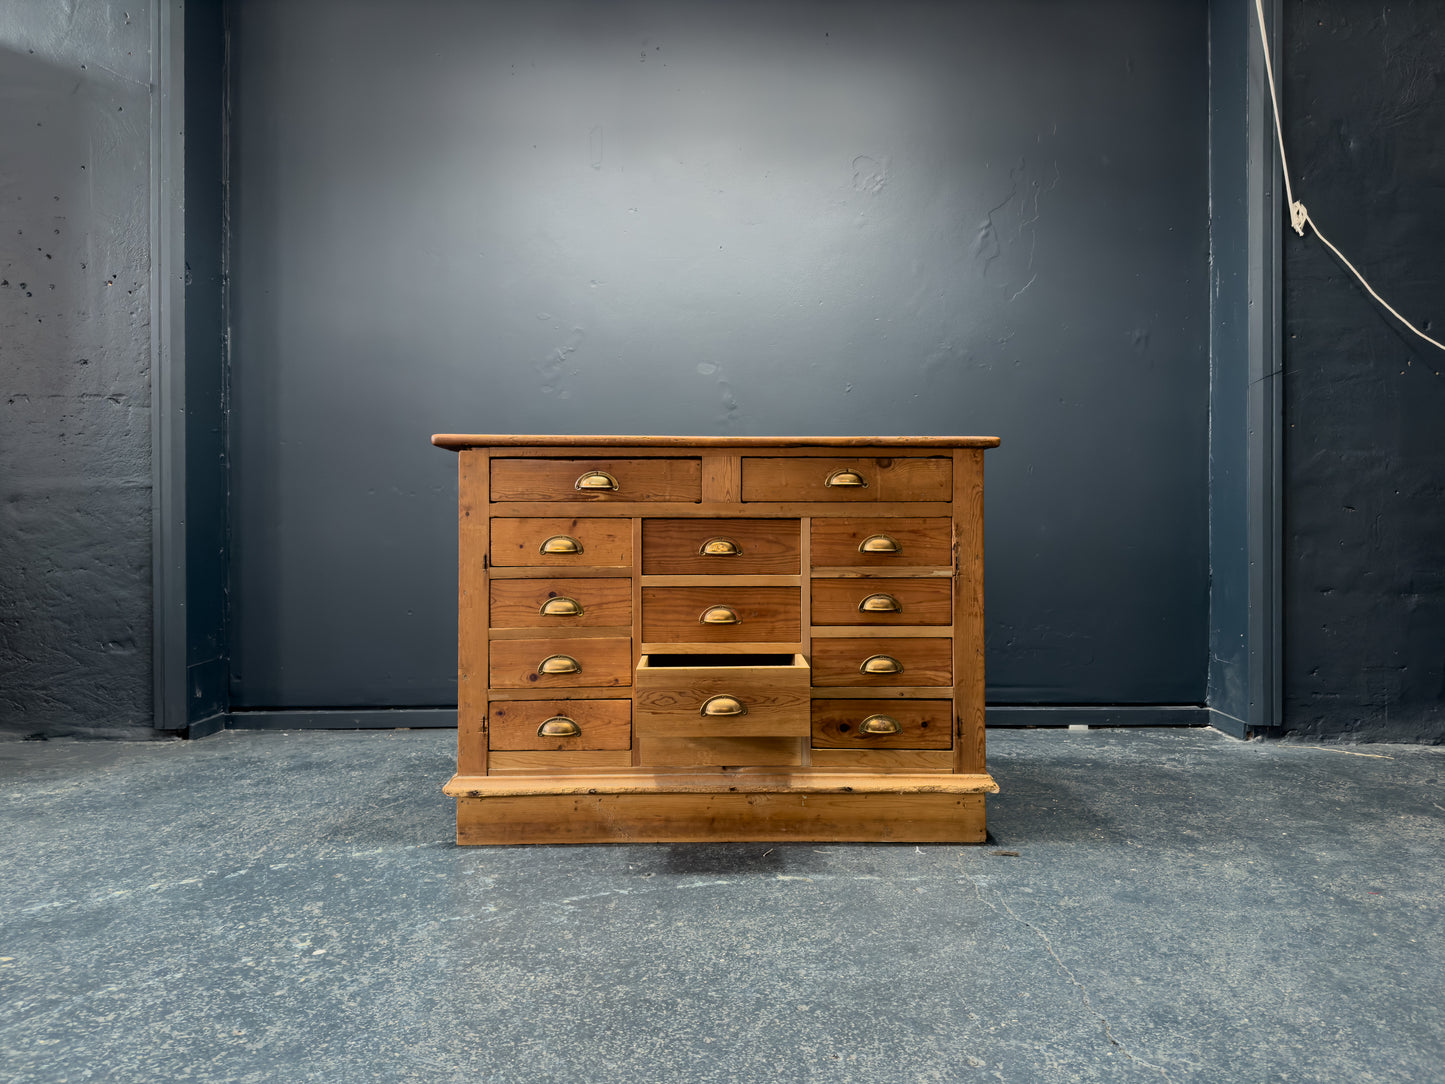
(290,907)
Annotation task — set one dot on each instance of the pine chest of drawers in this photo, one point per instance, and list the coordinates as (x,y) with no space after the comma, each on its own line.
(677,639)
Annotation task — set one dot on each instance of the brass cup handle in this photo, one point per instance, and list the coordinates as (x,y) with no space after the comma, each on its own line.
(723,706)
(560,544)
(880,603)
(880,544)
(846,478)
(595,480)
(559,664)
(720,547)
(719,615)
(561,606)
(881,664)
(879,724)
(559,726)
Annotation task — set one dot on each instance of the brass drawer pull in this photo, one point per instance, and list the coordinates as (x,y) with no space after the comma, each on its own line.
(723,706)
(559,664)
(847,478)
(720,547)
(879,724)
(880,604)
(881,664)
(596,480)
(560,544)
(559,726)
(719,615)
(880,543)
(561,606)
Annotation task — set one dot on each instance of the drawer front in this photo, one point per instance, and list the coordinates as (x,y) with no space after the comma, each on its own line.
(568,604)
(545,543)
(598,724)
(596,480)
(894,724)
(714,752)
(725,547)
(861,478)
(576,663)
(846,662)
(883,602)
(879,542)
(715,700)
(721,615)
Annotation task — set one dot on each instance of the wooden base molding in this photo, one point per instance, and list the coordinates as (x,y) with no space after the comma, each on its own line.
(763,817)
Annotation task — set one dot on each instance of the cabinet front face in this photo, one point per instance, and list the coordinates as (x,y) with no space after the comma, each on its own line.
(793,618)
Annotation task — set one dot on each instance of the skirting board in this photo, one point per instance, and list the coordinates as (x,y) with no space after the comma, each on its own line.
(1015,715)
(343,719)
(1006,715)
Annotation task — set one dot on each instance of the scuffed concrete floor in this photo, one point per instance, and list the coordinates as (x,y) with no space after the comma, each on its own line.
(290,907)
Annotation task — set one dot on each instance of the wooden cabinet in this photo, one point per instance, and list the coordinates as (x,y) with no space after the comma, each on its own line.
(679,639)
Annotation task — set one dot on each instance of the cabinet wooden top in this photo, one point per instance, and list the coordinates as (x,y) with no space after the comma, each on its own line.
(458,441)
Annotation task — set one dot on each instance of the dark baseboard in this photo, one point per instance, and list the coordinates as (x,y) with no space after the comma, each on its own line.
(344,719)
(1018,715)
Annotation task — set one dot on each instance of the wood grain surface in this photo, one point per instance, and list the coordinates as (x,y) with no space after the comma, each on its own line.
(518,542)
(923,601)
(670,547)
(925,724)
(517,604)
(889,478)
(638,480)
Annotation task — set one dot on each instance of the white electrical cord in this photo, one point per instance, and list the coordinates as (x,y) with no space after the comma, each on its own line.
(1298,216)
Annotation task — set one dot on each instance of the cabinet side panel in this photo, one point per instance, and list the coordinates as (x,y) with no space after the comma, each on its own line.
(472,616)
(968,746)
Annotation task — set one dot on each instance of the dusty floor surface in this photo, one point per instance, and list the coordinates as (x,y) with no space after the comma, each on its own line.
(291,907)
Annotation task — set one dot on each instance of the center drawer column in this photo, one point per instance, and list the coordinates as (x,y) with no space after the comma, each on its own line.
(722,680)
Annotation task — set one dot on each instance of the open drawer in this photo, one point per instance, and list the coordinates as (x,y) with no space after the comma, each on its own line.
(716,696)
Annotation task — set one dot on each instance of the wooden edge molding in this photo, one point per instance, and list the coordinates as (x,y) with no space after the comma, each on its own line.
(483,786)
(458,441)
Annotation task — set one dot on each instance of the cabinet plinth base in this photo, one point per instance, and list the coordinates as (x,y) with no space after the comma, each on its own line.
(693,817)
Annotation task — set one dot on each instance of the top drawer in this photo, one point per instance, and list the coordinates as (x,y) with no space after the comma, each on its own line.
(860,479)
(596,480)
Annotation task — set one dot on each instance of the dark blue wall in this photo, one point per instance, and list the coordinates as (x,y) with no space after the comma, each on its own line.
(1365,404)
(745,218)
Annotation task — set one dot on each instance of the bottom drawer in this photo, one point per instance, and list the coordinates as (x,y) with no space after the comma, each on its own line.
(882,724)
(560,724)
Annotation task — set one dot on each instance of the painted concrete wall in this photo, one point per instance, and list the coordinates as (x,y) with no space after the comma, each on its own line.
(1365,402)
(75,435)
(745,218)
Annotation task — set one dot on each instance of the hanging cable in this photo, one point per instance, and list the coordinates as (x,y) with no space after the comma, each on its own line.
(1300,217)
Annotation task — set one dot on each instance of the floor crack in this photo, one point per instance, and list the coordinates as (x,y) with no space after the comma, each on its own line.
(1068,973)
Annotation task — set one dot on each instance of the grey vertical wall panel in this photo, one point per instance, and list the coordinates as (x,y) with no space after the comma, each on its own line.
(75,434)
(742,218)
(1231,26)
(1364,455)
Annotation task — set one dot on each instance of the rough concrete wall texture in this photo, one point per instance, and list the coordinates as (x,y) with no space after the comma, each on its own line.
(75,435)
(1364,637)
